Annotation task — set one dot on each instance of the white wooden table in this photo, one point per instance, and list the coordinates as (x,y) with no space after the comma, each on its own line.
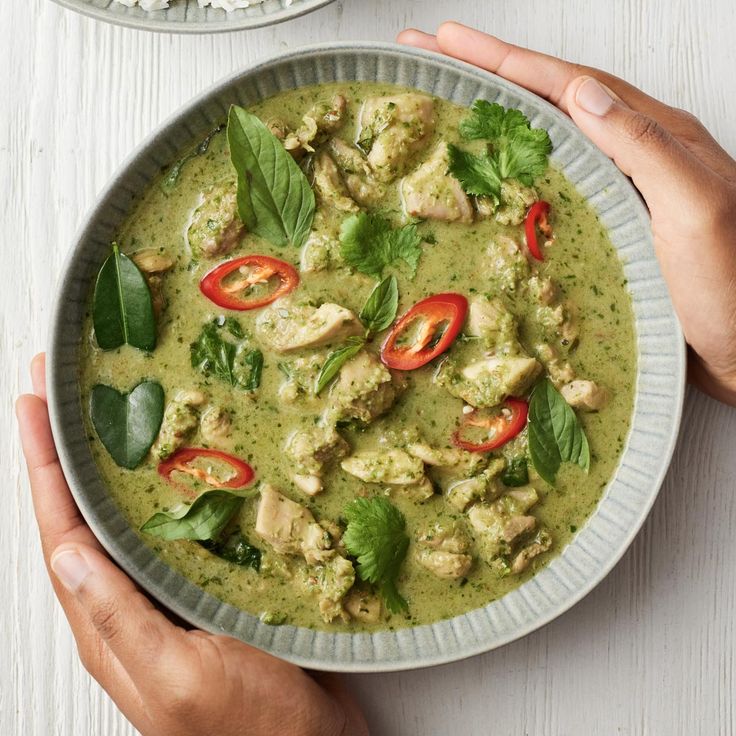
(650,651)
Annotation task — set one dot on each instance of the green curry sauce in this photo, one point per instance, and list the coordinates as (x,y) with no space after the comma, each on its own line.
(455,257)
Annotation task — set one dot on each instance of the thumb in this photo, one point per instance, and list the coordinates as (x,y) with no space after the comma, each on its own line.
(662,169)
(124,618)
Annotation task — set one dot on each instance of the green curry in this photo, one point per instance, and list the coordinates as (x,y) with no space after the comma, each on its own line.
(314,458)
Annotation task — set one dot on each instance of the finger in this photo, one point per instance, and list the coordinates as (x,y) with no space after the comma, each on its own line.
(550,77)
(38,375)
(662,169)
(136,633)
(420,39)
(355,720)
(57,515)
(546,76)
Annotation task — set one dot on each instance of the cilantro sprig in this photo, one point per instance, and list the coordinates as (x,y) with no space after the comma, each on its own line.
(517,151)
(376,537)
(370,244)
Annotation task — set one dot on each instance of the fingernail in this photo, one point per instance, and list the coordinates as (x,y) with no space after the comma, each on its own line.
(71,568)
(593,97)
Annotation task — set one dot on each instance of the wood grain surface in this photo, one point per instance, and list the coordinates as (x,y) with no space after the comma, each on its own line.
(650,651)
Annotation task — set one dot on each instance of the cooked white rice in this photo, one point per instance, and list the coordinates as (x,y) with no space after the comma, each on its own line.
(227,5)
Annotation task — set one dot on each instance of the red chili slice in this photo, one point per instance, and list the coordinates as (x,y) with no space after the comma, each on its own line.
(254,269)
(502,427)
(182,459)
(430,342)
(537,217)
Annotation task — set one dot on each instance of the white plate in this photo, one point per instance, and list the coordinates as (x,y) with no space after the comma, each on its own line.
(185,16)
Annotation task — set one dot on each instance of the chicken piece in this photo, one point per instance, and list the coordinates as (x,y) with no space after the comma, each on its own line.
(560,372)
(501,525)
(215,425)
(544,290)
(364,389)
(278,127)
(290,528)
(216,227)
(312,449)
(311,485)
(489,320)
(356,173)
(416,492)
(331,581)
(331,189)
(486,383)
(446,457)
(362,606)
(555,316)
(432,193)
(152,261)
(392,467)
(444,549)
(394,128)
(541,542)
(181,418)
(154,264)
(509,266)
(324,118)
(485,486)
(286,326)
(516,200)
(585,395)
(321,252)
(301,375)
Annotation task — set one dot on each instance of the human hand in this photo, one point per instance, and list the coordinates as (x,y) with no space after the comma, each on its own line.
(687,180)
(167,681)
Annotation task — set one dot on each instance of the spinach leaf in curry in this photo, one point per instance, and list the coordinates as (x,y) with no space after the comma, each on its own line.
(235,548)
(215,353)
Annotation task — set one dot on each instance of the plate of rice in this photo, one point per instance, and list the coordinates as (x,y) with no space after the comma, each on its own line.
(193,16)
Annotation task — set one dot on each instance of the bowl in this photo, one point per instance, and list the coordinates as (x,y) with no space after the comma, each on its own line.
(185,16)
(625,502)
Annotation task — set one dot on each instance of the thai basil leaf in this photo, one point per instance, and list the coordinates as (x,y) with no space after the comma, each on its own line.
(169,182)
(215,354)
(337,360)
(204,519)
(236,549)
(516,473)
(555,434)
(380,309)
(275,200)
(127,424)
(122,309)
